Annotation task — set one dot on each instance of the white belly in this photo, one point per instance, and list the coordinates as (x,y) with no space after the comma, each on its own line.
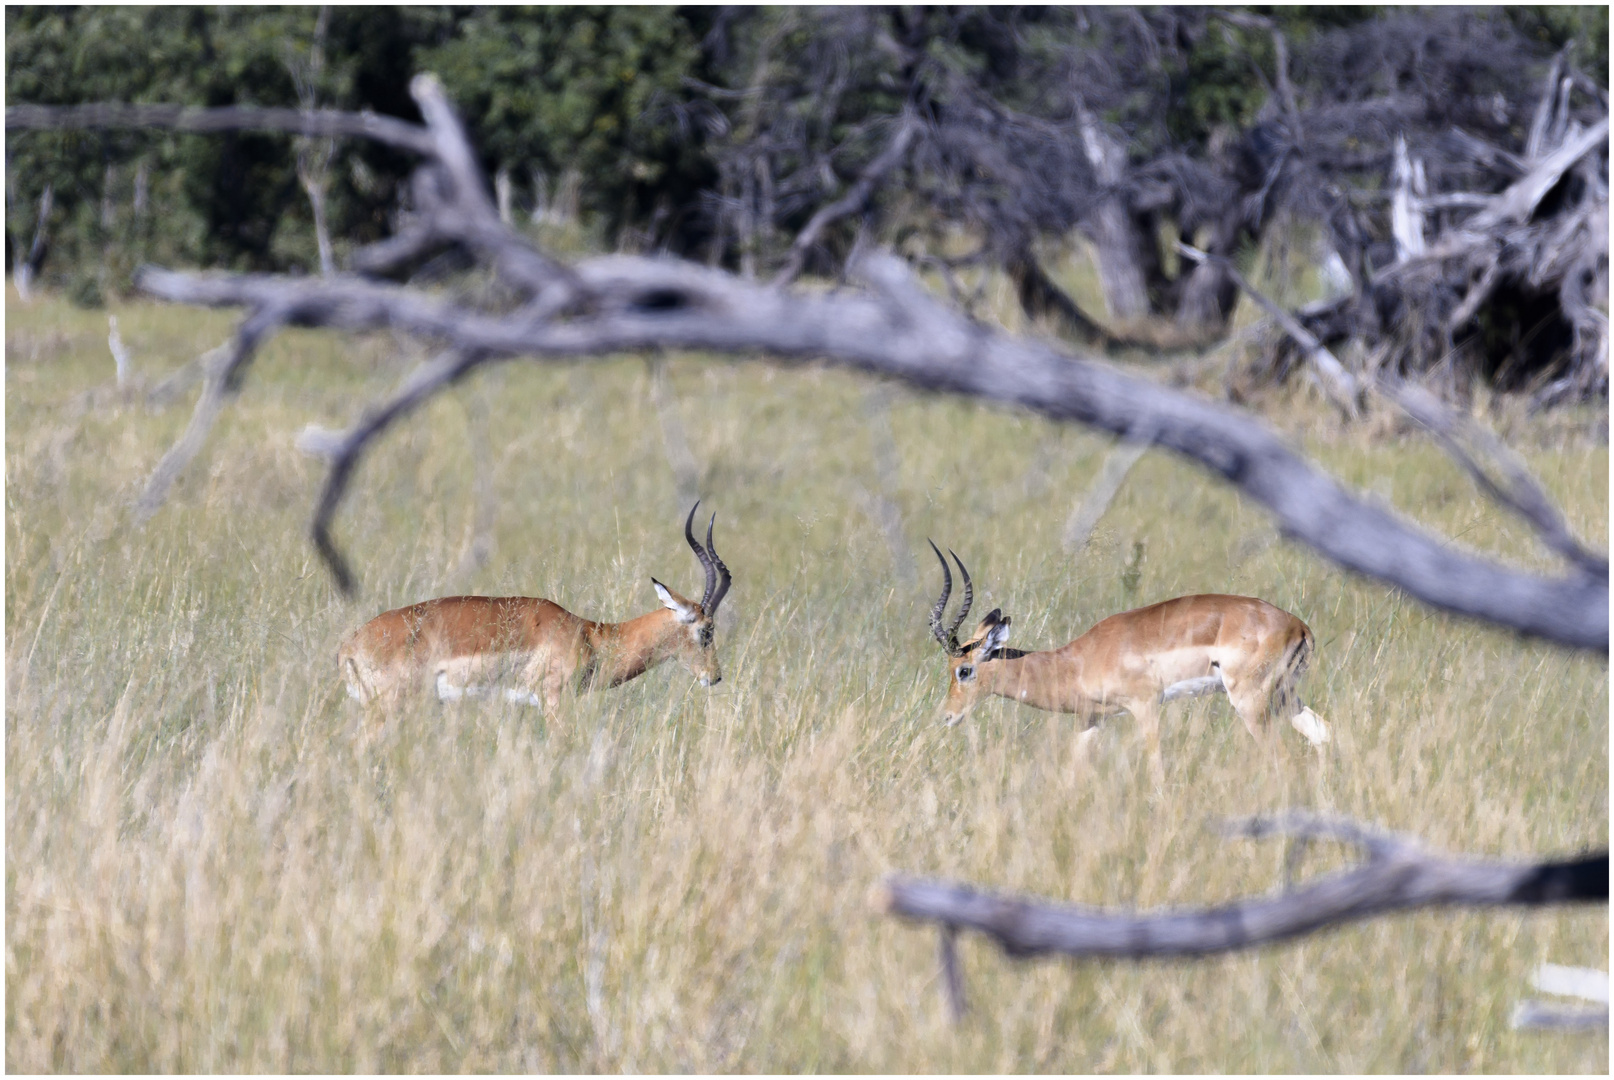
(511,676)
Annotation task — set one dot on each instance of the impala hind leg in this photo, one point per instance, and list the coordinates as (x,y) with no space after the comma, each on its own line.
(1252,700)
(378,715)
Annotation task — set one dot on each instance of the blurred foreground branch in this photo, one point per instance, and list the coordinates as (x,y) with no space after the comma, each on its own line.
(1398,875)
(892,326)
(1516,490)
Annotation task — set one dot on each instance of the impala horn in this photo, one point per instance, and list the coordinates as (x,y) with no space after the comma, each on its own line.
(949,637)
(717,575)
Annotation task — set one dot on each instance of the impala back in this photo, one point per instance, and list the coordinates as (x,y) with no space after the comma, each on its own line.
(1176,640)
(473,639)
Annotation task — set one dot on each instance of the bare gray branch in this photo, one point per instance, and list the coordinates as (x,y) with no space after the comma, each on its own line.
(1399,876)
(328,122)
(1516,490)
(1341,385)
(896,328)
(854,200)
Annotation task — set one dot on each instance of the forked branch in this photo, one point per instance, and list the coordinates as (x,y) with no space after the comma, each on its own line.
(1517,489)
(1399,875)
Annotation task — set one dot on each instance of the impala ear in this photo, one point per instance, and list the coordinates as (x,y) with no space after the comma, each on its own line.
(993,640)
(683,608)
(993,617)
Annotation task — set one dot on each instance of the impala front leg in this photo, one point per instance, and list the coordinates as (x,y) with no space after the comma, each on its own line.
(550,690)
(1087,745)
(1147,714)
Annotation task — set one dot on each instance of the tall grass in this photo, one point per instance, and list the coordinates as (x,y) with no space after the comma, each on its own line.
(208,871)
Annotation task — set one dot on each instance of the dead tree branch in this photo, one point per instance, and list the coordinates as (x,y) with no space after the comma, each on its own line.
(1537,1015)
(1519,201)
(1340,384)
(898,329)
(1516,489)
(1399,875)
(856,197)
(326,122)
(1584,983)
(346,449)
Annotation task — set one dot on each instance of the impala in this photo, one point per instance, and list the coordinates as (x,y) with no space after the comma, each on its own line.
(1137,661)
(528,648)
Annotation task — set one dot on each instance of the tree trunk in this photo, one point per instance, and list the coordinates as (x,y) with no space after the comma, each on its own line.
(1113,231)
(1209,291)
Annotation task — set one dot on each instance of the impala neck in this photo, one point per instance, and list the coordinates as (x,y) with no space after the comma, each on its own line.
(626,650)
(1040,679)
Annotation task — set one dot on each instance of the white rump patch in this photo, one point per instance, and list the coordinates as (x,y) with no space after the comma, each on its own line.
(1205,684)
(1312,726)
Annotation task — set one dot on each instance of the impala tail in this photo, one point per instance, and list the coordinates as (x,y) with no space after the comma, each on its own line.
(1287,695)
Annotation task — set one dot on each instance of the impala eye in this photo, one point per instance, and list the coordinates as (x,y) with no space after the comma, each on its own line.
(966,673)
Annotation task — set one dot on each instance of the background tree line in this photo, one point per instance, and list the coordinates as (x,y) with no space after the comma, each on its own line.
(988,136)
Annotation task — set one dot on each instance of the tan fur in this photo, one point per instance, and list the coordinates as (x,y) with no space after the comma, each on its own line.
(526,644)
(1126,661)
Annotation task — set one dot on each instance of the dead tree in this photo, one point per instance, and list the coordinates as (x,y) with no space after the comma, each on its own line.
(1499,261)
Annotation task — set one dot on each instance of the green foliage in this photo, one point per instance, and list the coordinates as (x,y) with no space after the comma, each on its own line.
(599,93)
(1229,72)
(125,197)
(572,88)
(543,88)
(1556,25)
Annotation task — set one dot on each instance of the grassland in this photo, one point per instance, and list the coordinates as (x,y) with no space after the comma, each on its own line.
(207,871)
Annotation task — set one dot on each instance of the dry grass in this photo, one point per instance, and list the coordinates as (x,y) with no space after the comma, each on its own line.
(207,872)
